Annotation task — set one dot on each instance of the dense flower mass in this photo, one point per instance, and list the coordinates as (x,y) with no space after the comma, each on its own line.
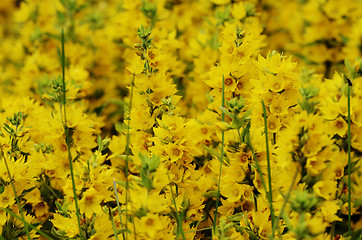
(180,119)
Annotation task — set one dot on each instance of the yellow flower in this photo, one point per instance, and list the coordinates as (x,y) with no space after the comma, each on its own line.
(315,165)
(79,74)
(7,197)
(276,83)
(42,211)
(229,83)
(335,10)
(329,210)
(356,139)
(279,106)
(260,218)
(102,226)
(315,224)
(232,190)
(238,10)
(33,197)
(338,126)
(325,189)
(136,66)
(275,63)
(220,2)
(90,202)
(273,123)
(117,144)
(157,203)
(174,151)
(337,164)
(69,225)
(151,224)
(3,218)
(316,142)
(345,209)
(160,179)
(258,183)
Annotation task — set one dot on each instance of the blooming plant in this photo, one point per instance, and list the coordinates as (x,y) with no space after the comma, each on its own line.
(208,119)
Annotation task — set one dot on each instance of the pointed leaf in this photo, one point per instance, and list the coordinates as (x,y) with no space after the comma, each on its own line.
(224,110)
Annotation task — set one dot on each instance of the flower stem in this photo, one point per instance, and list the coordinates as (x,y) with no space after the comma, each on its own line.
(128,150)
(118,206)
(178,217)
(270,193)
(113,226)
(349,159)
(67,137)
(221,157)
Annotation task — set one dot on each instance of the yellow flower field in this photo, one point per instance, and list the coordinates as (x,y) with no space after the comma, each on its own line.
(180,119)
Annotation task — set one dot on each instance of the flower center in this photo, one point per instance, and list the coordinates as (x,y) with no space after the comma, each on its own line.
(228,81)
(204,130)
(176,152)
(339,124)
(150,222)
(89,200)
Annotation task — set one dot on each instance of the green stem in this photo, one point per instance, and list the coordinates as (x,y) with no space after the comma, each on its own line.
(63,79)
(333,230)
(113,226)
(199,230)
(178,217)
(118,206)
(349,160)
(221,157)
(67,138)
(127,155)
(270,194)
(51,190)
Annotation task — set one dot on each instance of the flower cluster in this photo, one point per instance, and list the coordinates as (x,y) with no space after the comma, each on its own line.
(209,119)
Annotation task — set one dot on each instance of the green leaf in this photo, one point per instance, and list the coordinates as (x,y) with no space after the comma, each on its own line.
(8,128)
(143,33)
(216,153)
(121,183)
(60,17)
(357,235)
(121,127)
(124,157)
(210,194)
(236,217)
(117,102)
(146,180)
(99,141)
(141,212)
(25,192)
(149,164)
(119,231)
(246,115)
(225,111)
(357,203)
(59,234)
